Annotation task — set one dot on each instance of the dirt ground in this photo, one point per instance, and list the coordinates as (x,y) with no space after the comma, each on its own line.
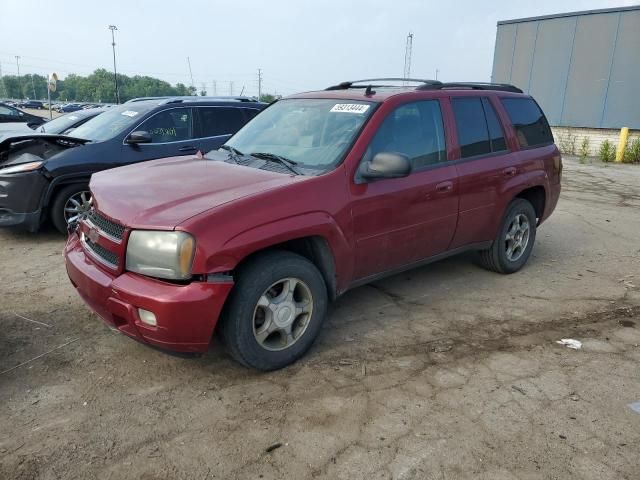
(445,372)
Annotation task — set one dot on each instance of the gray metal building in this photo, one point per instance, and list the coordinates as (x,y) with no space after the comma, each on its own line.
(582,67)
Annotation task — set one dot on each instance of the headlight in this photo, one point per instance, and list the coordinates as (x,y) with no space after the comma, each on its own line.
(23,167)
(160,254)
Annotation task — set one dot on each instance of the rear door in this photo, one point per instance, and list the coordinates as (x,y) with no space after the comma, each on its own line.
(484,162)
(403,220)
(216,124)
(172,134)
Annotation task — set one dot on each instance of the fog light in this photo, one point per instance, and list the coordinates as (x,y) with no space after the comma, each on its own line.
(147,317)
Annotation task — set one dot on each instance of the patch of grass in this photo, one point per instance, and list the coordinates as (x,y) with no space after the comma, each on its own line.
(584,149)
(567,143)
(632,152)
(607,152)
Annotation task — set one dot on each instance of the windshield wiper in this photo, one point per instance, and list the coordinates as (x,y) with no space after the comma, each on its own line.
(234,153)
(272,157)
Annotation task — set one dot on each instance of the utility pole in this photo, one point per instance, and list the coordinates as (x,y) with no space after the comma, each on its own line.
(190,73)
(259,84)
(113,28)
(33,87)
(407,56)
(214,90)
(4,93)
(437,73)
(18,64)
(231,88)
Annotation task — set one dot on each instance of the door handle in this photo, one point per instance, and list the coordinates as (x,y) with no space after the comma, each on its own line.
(509,172)
(188,148)
(444,187)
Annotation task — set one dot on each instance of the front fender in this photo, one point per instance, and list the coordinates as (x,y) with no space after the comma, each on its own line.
(264,236)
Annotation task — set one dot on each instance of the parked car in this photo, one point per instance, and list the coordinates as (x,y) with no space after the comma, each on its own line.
(70,107)
(46,176)
(320,193)
(33,104)
(9,114)
(65,124)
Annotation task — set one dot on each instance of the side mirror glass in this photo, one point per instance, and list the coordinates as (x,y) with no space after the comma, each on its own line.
(139,136)
(386,165)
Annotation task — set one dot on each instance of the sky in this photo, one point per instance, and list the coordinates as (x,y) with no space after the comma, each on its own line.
(298,45)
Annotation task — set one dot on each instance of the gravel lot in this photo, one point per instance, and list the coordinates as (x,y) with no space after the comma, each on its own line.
(448,371)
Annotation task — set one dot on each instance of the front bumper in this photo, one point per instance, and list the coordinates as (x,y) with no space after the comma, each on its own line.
(186,314)
(20,199)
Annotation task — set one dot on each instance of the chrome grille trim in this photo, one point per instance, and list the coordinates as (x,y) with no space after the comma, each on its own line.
(110,229)
(100,253)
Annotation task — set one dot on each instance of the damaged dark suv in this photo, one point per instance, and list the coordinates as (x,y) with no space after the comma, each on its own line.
(46,177)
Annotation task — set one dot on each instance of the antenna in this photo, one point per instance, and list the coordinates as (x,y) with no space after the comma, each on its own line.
(407,57)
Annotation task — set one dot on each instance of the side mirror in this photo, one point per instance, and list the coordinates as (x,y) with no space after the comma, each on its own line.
(139,136)
(386,165)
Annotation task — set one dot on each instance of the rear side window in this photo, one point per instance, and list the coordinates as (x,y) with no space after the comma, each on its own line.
(221,121)
(530,124)
(496,134)
(415,130)
(471,124)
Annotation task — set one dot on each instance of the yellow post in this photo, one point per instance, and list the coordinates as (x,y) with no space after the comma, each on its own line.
(622,144)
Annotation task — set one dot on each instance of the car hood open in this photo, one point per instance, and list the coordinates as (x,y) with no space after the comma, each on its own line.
(161,194)
(16,148)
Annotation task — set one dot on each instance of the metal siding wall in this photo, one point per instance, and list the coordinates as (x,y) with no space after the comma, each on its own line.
(589,80)
(622,108)
(503,54)
(590,67)
(523,54)
(551,65)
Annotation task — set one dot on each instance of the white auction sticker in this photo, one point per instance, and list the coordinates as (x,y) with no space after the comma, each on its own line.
(130,113)
(350,108)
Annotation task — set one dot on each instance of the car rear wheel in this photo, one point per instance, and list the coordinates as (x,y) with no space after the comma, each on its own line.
(275,311)
(512,247)
(70,205)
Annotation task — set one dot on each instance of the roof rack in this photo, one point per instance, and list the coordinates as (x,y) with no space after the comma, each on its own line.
(194,98)
(504,87)
(368,83)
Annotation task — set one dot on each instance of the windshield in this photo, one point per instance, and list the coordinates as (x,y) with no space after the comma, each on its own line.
(110,123)
(313,133)
(60,124)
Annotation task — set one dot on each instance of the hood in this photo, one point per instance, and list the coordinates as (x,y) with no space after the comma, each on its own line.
(161,194)
(16,148)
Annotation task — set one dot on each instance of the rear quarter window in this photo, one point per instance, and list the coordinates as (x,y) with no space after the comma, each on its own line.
(529,123)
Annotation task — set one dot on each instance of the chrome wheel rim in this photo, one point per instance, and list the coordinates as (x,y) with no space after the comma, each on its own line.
(517,237)
(282,314)
(77,206)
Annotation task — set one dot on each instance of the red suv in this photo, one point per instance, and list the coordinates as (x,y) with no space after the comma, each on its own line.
(320,193)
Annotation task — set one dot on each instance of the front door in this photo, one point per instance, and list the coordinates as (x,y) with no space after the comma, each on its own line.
(403,220)
(172,134)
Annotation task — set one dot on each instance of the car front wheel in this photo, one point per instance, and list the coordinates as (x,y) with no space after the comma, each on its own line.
(512,247)
(275,310)
(70,205)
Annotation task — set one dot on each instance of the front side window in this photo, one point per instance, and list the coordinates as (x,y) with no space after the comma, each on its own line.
(314,133)
(220,120)
(415,130)
(173,125)
(530,124)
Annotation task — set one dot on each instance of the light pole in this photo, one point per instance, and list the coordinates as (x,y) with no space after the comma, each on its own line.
(18,65)
(113,28)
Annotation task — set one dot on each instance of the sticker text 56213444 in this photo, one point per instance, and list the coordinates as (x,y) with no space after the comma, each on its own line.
(350,108)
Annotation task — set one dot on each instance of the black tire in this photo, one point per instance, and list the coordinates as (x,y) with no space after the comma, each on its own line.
(236,327)
(57,207)
(495,258)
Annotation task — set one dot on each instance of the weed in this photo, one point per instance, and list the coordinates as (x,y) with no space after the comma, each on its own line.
(607,152)
(632,152)
(568,143)
(584,149)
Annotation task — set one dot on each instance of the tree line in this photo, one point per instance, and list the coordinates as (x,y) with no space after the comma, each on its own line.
(96,87)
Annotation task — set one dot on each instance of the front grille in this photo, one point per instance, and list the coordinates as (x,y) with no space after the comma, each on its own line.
(99,251)
(112,229)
